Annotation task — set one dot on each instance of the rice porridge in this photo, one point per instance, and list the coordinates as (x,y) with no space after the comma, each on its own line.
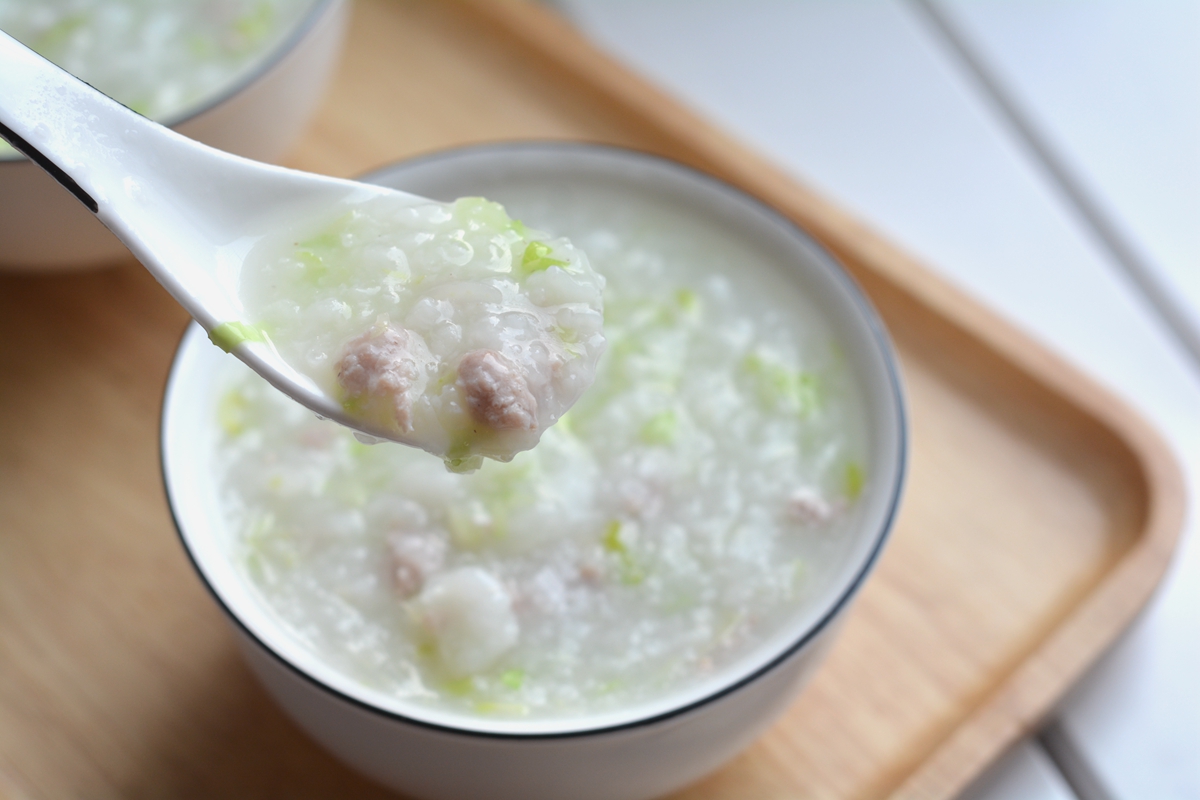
(674,518)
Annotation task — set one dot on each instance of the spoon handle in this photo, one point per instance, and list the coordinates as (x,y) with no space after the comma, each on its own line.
(103,153)
(60,122)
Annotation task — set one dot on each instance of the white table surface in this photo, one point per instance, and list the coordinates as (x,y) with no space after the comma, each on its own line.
(1016,147)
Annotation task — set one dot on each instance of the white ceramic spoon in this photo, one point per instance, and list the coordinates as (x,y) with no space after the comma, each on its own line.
(188,212)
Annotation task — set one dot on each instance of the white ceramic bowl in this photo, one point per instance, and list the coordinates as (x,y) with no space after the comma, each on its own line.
(638,752)
(43,227)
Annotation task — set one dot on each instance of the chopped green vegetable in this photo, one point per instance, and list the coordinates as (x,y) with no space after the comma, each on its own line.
(356,448)
(351,494)
(854,480)
(631,572)
(229,335)
(473,525)
(566,424)
(799,573)
(612,538)
(355,404)
(255,25)
(513,678)
(396,278)
(314,267)
(232,411)
(569,337)
(499,707)
(679,602)
(324,241)
(613,541)
(201,46)
(463,464)
(505,486)
(625,346)
(324,258)
(58,34)
(538,257)
(781,387)
(689,303)
(265,551)
(661,429)
(458,456)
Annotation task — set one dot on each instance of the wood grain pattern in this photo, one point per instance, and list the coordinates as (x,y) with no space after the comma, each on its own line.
(1039,515)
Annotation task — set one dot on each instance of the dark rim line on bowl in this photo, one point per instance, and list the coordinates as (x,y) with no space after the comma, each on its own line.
(277,54)
(857,296)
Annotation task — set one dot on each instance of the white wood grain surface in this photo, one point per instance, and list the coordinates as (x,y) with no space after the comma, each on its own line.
(868,101)
(1114,89)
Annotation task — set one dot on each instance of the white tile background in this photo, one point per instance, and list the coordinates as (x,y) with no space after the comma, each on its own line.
(1010,147)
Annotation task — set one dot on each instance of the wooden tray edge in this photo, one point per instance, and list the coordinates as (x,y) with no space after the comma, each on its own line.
(1031,691)
(1029,694)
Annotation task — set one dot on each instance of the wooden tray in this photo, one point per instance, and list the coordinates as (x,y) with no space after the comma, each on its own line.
(1040,512)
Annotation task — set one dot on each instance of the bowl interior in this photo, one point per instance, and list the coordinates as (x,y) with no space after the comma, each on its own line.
(521,176)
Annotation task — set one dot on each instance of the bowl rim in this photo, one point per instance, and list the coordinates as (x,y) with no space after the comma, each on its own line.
(868,315)
(316,12)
